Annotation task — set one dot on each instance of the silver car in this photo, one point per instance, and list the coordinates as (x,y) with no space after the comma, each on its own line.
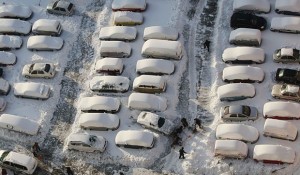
(86,142)
(238,113)
(60,8)
(39,70)
(286,91)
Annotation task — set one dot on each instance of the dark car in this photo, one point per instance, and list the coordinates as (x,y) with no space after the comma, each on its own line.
(290,76)
(247,20)
(286,55)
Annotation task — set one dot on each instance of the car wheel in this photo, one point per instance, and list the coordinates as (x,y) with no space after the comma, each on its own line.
(118,145)
(47,77)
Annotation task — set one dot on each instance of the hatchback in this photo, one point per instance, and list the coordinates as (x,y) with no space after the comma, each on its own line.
(286,55)
(60,7)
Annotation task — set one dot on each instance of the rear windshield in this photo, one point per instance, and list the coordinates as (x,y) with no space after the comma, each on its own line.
(246,110)
(47,67)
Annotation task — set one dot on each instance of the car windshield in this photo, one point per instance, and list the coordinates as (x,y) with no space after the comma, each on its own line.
(161,122)
(3,155)
(47,67)
(31,67)
(246,110)
(70,7)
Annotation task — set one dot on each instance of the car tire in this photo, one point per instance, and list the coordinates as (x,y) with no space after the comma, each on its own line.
(118,145)
(47,77)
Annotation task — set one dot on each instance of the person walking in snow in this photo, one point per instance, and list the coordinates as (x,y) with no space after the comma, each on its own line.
(184,122)
(206,44)
(181,153)
(69,171)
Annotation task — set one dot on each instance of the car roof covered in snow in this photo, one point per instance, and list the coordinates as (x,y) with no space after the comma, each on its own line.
(19,123)
(129,4)
(274,153)
(288,5)
(103,120)
(167,46)
(7,57)
(115,46)
(281,109)
(118,32)
(45,24)
(109,64)
(99,103)
(15,11)
(116,82)
(14,25)
(125,17)
(243,72)
(245,34)
(160,32)
(255,5)
(43,41)
(20,159)
(149,80)
(236,89)
(280,127)
(243,53)
(9,41)
(29,87)
(134,137)
(233,147)
(144,101)
(290,23)
(155,66)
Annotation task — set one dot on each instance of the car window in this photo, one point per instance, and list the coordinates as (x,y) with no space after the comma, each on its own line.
(246,110)
(70,7)
(19,166)
(40,72)
(62,9)
(6,163)
(34,72)
(161,122)
(233,115)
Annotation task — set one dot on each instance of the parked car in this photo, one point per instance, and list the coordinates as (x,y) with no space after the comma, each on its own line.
(286,91)
(99,121)
(110,66)
(19,124)
(231,149)
(247,20)
(117,49)
(128,18)
(235,91)
(134,139)
(280,129)
(258,6)
(86,142)
(155,67)
(2,104)
(243,55)
(243,74)
(290,76)
(245,37)
(7,58)
(18,162)
(287,7)
(275,154)
(129,5)
(4,87)
(15,11)
(96,104)
(285,24)
(10,42)
(47,27)
(149,84)
(109,83)
(60,7)
(149,102)
(238,113)
(237,132)
(153,121)
(283,110)
(43,42)
(286,55)
(32,90)
(14,26)
(160,32)
(39,70)
(123,33)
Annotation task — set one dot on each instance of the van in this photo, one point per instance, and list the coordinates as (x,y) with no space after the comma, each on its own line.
(149,84)
(231,148)
(162,49)
(117,49)
(283,110)
(19,124)
(245,37)
(280,129)
(47,27)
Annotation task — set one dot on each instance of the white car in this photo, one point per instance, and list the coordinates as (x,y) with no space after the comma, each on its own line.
(258,6)
(99,121)
(155,67)
(285,24)
(288,7)
(14,26)
(39,70)
(160,32)
(153,121)
(129,5)
(32,90)
(245,55)
(7,58)
(97,104)
(42,42)
(123,33)
(110,66)
(235,91)
(60,7)
(245,37)
(128,18)
(243,74)
(117,49)
(47,27)
(4,87)
(15,11)
(231,149)
(284,110)
(237,132)
(280,129)
(10,42)
(109,83)
(149,102)
(276,154)
(134,139)
(86,142)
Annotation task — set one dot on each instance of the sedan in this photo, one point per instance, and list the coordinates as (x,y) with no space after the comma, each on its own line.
(286,55)
(60,8)
(242,74)
(290,76)
(10,42)
(15,11)
(247,20)
(39,70)
(285,24)
(286,91)
(238,113)
(86,142)
(42,42)
(287,7)
(32,90)
(240,132)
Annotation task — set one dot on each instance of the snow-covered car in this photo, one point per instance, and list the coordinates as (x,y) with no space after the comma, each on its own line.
(60,7)
(32,90)
(290,76)
(286,55)
(4,87)
(153,121)
(113,66)
(39,70)
(160,32)
(149,102)
(7,58)
(47,27)
(283,110)
(238,113)
(245,37)
(235,91)
(285,24)
(2,104)
(109,83)
(155,67)
(128,18)
(18,162)
(10,42)
(243,74)
(149,84)
(14,26)
(165,49)
(43,42)
(287,7)
(243,55)
(237,132)
(280,129)
(129,5)
(86,142)
(15,11)
(286,91)
(231,149)
(134,139)
(258,6)
(247,20)
(275,154)
(99,121)
(98,104)
(123,33)
(19,124)
(117,49)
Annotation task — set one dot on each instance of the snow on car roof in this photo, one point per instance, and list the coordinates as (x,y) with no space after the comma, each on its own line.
(155,66)
(10,41)
(43,41)
(119,82)
(149,80)
(237,132)
(15,11)
(29,87)
(156,44)
(292,88)
(245,34)
(235,146)
(287,51)
(133,137)
(45,24)
(129,4)
(115,46)
(123,32)
(147,101)
(257,5)
(3,83)
(99,120)
(120,17)
(7,57)
(243,72)
(243,53)
(274,152)
(109,64)
(290,23)
(99,102)
(20,159)
(160,32)
(15,25)
(19,123)
(288,5)
(280,126)
(236,89)
(282,108)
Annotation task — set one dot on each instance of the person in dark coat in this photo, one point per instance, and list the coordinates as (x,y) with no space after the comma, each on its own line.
(35,147)
(3,172)
(184,122)
(206,44)
(181,153)
(197,122)
(69,171)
